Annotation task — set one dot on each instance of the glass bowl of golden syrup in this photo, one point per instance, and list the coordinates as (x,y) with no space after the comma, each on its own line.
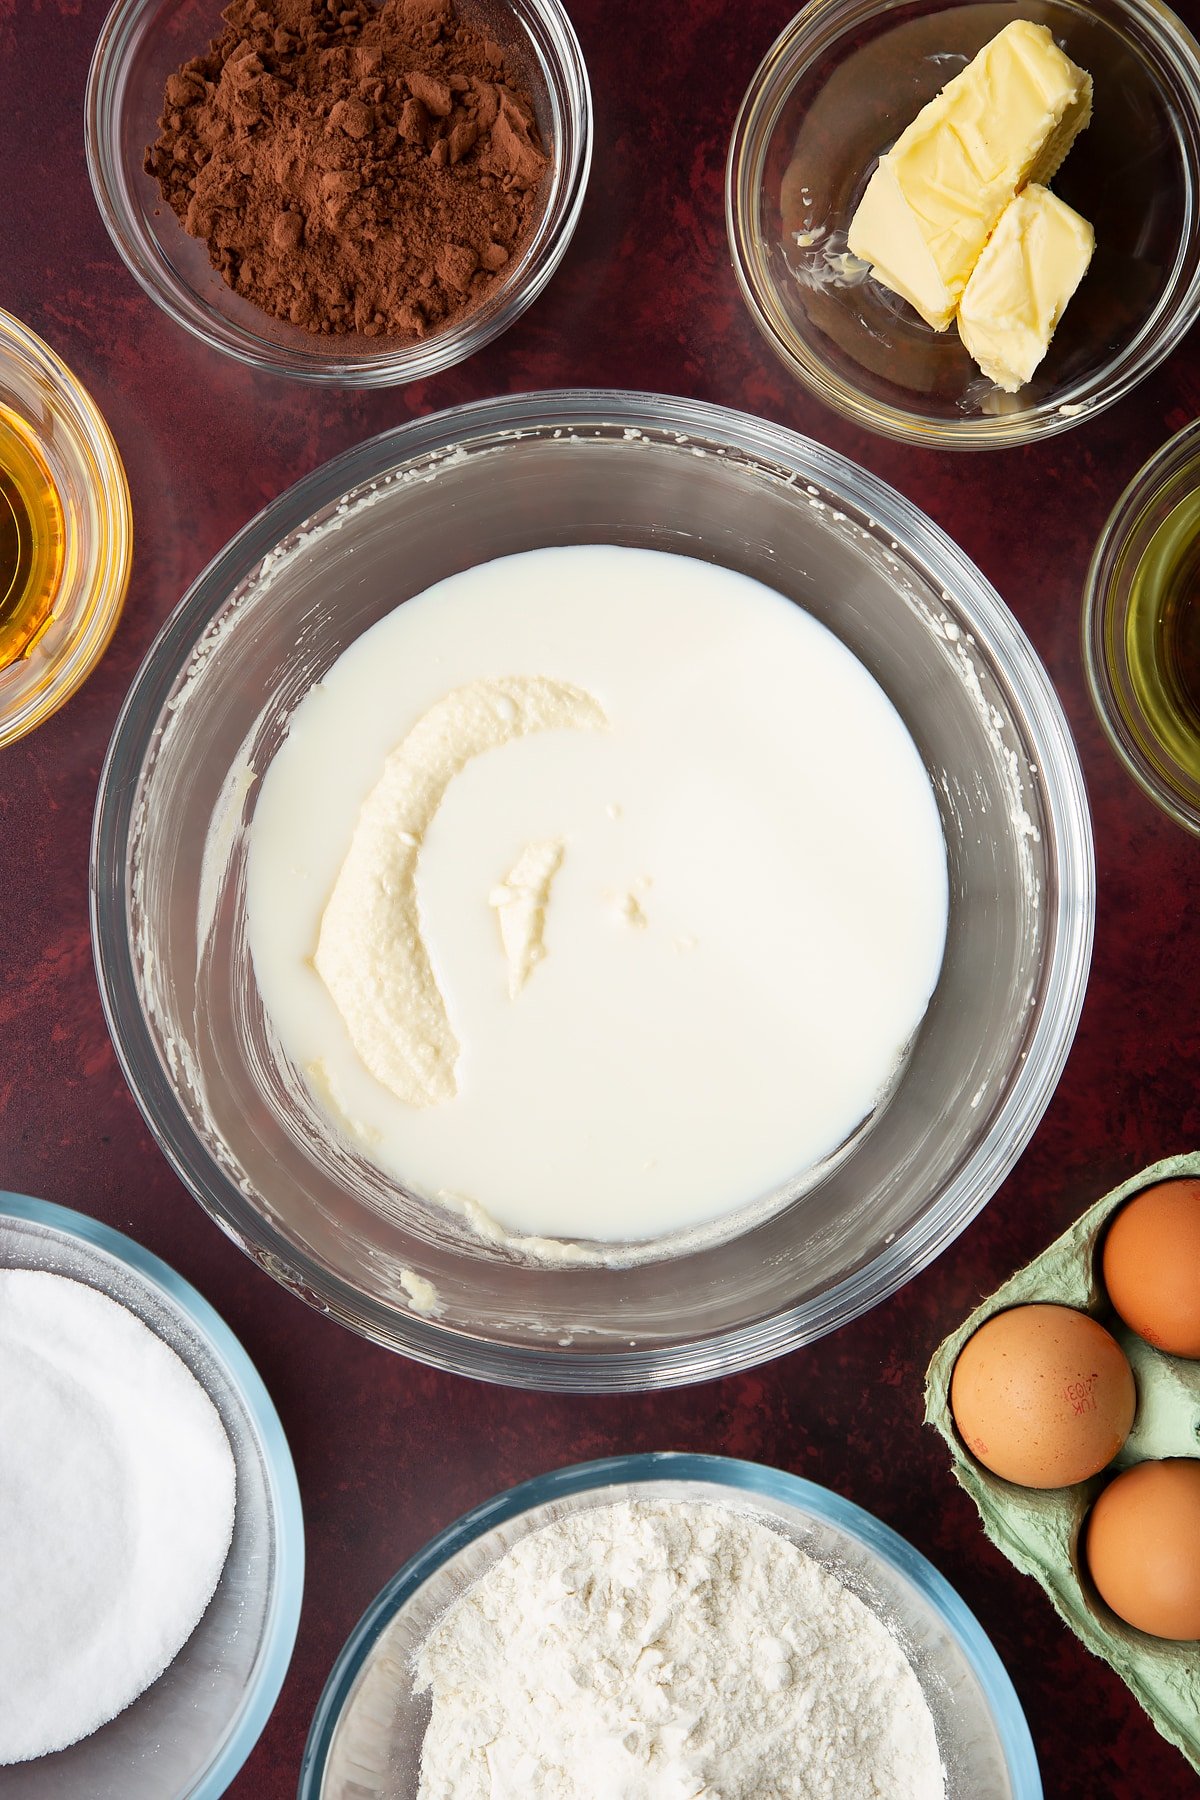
(66,532)
(1141,627)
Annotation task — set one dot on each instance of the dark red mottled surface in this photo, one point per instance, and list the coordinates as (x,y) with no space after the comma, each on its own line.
(387,1453)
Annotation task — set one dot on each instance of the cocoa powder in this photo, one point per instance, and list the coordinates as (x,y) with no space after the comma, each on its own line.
(352,169)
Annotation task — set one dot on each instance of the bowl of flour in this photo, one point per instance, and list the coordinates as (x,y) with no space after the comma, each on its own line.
(154,1563)
(666,1627)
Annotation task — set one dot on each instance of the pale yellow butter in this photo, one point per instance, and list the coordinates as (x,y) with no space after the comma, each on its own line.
(1032,264)
(1008,118)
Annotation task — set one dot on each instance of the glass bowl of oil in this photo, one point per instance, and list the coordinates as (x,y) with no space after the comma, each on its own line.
(1141,627)
(66,532)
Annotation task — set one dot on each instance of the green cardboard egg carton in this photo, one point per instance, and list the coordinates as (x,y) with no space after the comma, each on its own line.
(1039,1530)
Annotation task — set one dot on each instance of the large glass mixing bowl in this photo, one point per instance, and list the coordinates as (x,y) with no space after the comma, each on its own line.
(270,616)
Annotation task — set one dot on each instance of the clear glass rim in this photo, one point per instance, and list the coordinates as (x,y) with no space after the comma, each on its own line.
(1104,604)
(1069,928)
(815,30)
(721,1471)
(106,570)
(571,102)
(283,1621)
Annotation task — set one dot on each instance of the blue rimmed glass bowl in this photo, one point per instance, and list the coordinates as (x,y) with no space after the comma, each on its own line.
(187,1736)
(366,1735)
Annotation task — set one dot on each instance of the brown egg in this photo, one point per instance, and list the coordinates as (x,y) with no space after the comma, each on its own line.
(1152,1265)
(1042,1395)
(1143,1547)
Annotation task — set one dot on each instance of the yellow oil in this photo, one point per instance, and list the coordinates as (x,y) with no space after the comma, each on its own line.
(31,540)
(1162,637)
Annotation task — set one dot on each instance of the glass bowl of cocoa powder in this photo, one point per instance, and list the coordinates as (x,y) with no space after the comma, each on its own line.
(361,197)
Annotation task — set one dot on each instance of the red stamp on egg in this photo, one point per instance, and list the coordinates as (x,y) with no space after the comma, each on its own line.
(1080,1394)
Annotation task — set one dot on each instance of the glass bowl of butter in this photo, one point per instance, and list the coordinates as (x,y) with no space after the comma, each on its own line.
(967,229)
(516,957)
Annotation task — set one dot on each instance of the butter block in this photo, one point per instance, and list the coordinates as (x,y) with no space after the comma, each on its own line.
(933,201)
(1030,267)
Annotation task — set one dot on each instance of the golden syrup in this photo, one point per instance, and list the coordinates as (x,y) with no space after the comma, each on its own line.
(1162,635)
(31,540)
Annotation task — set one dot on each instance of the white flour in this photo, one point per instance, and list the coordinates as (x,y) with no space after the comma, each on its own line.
(652,1650)
(116,1509)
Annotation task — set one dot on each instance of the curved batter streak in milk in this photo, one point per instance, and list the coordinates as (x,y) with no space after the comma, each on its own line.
(455,856)
(370,952)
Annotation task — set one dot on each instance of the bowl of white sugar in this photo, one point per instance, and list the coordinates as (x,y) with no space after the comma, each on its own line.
(592,890)
(153,1542)
(668,1624)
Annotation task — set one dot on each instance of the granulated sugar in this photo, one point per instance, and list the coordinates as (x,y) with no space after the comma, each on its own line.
(657,1650)
(116,1509)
